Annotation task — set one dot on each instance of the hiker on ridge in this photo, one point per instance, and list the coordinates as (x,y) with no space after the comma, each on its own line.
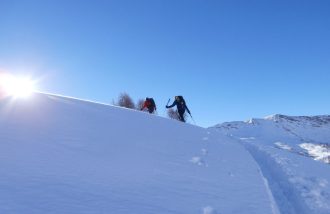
(181,107)
(149,103)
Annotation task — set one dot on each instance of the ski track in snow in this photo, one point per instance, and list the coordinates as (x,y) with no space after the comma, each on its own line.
(293,194)
(285,148)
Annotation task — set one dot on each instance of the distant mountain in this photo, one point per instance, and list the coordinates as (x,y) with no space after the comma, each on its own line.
(305,135)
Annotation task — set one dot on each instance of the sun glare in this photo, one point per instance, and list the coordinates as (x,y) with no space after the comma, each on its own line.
(17,86)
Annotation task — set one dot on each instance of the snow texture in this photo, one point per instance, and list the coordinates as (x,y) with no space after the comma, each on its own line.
(64,155)
(292,153)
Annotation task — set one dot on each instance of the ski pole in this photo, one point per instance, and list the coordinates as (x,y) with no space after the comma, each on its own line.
(192,119)
(168,102)
(167,105)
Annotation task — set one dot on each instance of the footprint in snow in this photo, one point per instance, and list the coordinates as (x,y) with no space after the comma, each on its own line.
(247,138)
(205,152)
(209,210)
(198,161)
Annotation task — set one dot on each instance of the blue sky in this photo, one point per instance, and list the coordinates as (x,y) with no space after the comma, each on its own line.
(230,59)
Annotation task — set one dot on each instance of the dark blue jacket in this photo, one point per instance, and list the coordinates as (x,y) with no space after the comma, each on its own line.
(181,105)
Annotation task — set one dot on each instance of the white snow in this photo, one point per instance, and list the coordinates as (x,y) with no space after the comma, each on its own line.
(285,148)
(64,155)
(319,152)
(197,160)
(209,210)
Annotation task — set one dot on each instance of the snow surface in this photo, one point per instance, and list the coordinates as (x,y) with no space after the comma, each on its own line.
(293,154)
(64,155)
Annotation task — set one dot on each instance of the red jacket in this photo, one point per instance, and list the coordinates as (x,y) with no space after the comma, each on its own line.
(147,104)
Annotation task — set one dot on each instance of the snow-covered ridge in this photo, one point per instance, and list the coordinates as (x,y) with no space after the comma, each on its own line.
(315,121)
(296,131)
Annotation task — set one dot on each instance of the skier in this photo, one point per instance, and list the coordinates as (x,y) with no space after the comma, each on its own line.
(181,107)
(149,103)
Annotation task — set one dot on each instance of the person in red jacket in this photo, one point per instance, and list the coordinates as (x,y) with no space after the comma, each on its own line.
(149,103)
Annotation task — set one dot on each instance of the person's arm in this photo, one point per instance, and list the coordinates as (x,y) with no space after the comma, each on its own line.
(174,103)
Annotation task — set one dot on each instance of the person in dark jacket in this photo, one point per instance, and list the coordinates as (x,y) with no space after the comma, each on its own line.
(181,106)
(149,103)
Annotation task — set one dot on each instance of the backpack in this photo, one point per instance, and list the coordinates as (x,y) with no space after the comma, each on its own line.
(181,102)
(153,104)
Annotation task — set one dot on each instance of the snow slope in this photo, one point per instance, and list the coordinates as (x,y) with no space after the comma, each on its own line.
(63,155)
(284,147)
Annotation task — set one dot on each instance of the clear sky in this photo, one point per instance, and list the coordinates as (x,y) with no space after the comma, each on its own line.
(230,59)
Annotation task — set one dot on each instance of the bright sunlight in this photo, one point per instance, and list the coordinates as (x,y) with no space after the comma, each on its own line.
(16,86)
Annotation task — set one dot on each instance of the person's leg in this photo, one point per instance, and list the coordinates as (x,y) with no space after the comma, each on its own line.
(181,116)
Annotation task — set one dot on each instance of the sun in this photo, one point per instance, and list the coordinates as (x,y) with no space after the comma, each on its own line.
(17,87)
